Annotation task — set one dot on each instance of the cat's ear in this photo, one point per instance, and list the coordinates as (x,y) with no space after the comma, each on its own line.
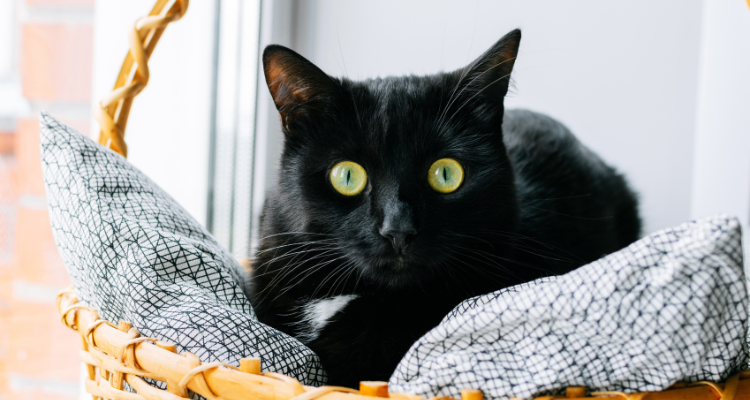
(297,86)
(489,75)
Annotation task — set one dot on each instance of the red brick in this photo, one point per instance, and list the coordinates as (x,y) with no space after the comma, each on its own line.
(57,61)
(36,251)
(26,147)
(8,200)
(6,143)
(8,180)
(4,335)
(28,157)
(39,345)
(34,345)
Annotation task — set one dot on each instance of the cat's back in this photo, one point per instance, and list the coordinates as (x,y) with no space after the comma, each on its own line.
(531,137)
(569,198)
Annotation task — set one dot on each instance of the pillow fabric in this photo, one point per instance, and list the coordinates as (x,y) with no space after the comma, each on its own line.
(135,255)
(671,307)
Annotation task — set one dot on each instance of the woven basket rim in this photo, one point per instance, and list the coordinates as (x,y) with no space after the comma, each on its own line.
(121,354)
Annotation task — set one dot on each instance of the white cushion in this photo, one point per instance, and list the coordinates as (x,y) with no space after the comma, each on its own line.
(136,255)
(671,307)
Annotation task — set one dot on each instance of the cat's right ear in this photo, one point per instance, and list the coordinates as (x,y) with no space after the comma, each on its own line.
(489,75)
(297,86)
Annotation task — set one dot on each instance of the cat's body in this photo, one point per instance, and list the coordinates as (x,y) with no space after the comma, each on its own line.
(574,208)
(359,277)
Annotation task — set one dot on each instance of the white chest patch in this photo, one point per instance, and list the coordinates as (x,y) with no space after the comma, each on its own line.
(315,315)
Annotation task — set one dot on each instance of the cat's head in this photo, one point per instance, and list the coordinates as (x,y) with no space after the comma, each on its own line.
(407,178)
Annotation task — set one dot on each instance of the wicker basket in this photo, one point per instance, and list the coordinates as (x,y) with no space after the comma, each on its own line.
(118,354)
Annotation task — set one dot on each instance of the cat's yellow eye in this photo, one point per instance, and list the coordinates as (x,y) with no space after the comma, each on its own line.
(348,178)
(445,175)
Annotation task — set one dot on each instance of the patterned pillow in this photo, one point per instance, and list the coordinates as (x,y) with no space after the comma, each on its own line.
(136,255)
(672,306)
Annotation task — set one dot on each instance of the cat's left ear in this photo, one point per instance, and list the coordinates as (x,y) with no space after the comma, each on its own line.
(298,87)
(489,74)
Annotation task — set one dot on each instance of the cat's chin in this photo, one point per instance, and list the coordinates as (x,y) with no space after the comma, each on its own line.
(394,272)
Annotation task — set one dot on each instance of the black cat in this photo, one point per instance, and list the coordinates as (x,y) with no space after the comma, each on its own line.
(397,198)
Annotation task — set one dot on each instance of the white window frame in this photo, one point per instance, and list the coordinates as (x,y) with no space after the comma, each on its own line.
(7,38)
(247,139)
(12,102)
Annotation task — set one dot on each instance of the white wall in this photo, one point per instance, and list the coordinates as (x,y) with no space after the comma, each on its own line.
(168,130)
(656,88)
(721,183)
(622,75)
(278,24)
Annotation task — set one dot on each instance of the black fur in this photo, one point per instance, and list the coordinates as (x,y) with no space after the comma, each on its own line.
(534,202)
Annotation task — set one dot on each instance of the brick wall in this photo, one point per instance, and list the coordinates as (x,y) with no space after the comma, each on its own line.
(38,355)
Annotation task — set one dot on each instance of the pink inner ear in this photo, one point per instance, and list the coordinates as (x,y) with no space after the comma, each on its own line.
(277,83)
(297,86)
(287,83)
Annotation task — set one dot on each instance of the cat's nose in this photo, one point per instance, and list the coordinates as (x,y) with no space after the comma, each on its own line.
(400,237)
(398,224)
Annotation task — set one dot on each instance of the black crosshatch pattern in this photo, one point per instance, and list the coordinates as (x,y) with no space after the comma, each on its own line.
(672,306)
(135,255)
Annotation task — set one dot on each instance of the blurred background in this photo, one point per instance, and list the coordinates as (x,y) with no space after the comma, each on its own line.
(660,90)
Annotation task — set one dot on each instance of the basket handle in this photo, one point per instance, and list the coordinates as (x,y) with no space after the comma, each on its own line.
(112,112)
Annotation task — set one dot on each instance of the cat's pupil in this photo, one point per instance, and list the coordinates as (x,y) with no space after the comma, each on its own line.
(445,174)
(348,176)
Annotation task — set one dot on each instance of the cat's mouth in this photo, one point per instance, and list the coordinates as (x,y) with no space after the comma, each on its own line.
(395,271)
(400,263)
